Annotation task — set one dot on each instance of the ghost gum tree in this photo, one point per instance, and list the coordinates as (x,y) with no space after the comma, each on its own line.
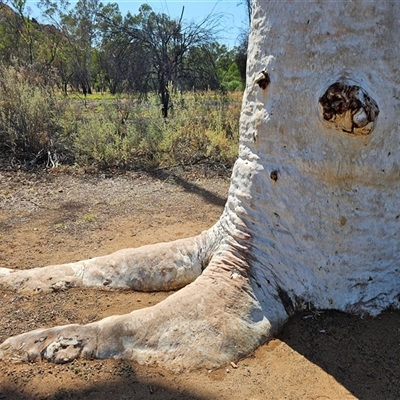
(312,217)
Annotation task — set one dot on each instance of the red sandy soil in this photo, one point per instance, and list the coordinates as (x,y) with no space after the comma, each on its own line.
(53,217)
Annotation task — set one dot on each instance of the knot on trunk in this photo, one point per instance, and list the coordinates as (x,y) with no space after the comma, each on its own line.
(263,79)
(349,108)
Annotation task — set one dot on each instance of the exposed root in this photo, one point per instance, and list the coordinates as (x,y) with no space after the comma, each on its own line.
(210,322)
(165,266)
(214,320)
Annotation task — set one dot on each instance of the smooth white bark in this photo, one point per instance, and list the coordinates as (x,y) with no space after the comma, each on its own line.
(327,230)
(165,266)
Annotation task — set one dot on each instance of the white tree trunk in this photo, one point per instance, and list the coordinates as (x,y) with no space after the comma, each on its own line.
(327,230)
(313,213)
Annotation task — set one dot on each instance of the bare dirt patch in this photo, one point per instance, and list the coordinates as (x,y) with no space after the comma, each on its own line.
(49,218)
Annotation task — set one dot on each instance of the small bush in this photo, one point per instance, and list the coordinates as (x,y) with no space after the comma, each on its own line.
(207,128)
(118,133)
(28,115)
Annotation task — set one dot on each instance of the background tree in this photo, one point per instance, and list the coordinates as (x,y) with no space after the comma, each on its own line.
(241,55)
(8,33)
(19,31)
(201,68)
(243,40)
(24,25)
(80,27)
(94,44)
(161,45)
(229,75)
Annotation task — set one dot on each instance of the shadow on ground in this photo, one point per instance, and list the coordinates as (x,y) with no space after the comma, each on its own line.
(190,187)
(363,354)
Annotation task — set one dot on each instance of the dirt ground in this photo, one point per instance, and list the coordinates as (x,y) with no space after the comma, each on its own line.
(54,217)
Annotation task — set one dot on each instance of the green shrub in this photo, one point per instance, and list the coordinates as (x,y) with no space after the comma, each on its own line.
(28,115)
(119,133)
(128,133)
(206,129)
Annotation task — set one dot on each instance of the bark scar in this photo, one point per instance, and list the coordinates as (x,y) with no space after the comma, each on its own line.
(263,79)
(349,108)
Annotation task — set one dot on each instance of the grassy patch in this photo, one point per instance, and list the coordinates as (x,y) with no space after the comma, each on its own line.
(6,192)
(89,218)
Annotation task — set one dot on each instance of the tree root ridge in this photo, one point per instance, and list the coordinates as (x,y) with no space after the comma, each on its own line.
(161,267)
(208,323)
(215,318)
